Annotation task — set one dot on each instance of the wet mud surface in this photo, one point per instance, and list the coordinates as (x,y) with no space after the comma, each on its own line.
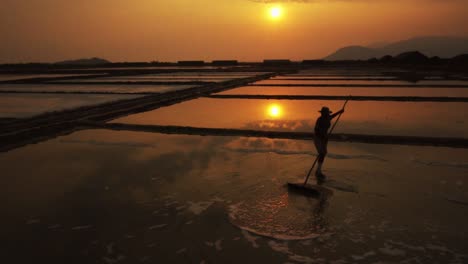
(105,196)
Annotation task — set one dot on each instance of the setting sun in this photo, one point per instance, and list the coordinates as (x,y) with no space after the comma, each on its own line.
(276,12)
(274,111)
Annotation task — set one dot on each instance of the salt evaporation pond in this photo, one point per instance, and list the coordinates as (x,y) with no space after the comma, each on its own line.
(130,80)
(90,88)
(384,118)
(207,74)
(11,77)
(360,82)
(332,77)
(195,75)
(333,72)
(174,77)
(28,105)
(139,197)
(174,67)
(169,78)
(353,91)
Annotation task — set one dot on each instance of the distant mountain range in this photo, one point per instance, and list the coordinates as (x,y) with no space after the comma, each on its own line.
(84,62)
(443,47)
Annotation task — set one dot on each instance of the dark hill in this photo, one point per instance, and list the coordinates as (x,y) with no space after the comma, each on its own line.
(84,62)
(353,53)
(411,57)
(443,47)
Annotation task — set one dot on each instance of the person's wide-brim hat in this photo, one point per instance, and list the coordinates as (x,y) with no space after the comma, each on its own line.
(325,109)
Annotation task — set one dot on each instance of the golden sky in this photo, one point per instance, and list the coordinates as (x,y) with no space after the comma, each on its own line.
(171,30)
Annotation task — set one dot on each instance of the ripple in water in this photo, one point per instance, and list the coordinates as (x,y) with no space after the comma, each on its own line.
(282,217)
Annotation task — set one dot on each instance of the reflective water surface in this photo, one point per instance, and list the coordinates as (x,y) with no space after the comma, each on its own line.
(171,78)
(175,77)
(339,72)
(128,197)
(332,77)
(196,75)
(364,91)
(28,105)
(169,67)
(10,77)
(363,82)
(84,88)
(130,80)
(207,74)
(104,80)
(386,118)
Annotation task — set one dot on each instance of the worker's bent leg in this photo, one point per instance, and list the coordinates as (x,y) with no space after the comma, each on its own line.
(321,146)
(321,159)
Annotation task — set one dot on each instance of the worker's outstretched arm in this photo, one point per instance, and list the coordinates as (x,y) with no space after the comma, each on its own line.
(337,113)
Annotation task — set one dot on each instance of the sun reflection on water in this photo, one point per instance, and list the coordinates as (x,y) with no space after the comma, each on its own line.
(274,111)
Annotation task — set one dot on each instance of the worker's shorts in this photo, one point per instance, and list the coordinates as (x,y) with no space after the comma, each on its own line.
(321,146)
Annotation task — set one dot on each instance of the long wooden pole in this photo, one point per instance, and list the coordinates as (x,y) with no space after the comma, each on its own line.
(329,133)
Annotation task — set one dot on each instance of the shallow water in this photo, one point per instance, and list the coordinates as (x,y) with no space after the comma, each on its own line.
(10,77)
(131,197)
(361,82)
(337,72)
(167,68)
(175,77)
(105,80)
(332,77)
(211,73)
(28,105)
(169,78)
(197,75)
(384,118)
(93,88)
(374,91)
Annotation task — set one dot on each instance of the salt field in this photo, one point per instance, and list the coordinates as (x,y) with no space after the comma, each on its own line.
(222,75)
(332,77)
(174,77)
(385,118)
(144,197)
(234,132)
(28,105)
(361,82)
(82,88)
(12,77)
(127,180)
(344,91)
(130,80)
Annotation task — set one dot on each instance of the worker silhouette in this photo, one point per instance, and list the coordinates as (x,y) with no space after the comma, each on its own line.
(321,137)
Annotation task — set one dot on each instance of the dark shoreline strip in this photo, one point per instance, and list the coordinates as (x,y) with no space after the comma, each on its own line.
(357,138)
(366,85)
(342,97)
